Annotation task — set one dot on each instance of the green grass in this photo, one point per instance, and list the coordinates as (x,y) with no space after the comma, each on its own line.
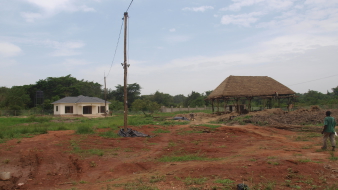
(224,181)
(194,181)
(183,158)
(109,134)
(161,131)
(85,129)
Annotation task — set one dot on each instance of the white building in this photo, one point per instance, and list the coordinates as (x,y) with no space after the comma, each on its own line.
(81,105)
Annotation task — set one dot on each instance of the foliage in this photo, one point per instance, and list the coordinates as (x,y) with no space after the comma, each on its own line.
(115,105)
(133,93)
(145,106)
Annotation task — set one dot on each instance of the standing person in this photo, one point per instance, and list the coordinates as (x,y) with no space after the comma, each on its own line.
(328,131)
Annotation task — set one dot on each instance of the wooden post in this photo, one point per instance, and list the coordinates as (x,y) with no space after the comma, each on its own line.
(249,103)
(125,66)
(105,98)
(217,105)
(212,105)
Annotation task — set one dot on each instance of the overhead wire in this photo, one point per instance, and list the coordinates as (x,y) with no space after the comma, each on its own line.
(118,40)
(129,5)
(313,80)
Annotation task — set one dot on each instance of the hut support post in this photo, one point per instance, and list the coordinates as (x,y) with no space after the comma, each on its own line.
(217,105)
(249,103)
(212,105)
(237,106)
(225,104)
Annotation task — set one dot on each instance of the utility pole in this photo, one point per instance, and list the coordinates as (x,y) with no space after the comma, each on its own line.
(125,67)
(105,97)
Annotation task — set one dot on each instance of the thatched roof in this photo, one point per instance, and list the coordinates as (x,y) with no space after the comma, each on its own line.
(243,86)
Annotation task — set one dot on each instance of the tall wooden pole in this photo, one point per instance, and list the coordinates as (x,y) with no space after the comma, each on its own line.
(105,97)
(125,66)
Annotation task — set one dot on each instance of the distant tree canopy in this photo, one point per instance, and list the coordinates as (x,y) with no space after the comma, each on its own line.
(55,88)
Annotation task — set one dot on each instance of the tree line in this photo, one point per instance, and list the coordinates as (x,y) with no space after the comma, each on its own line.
(55,88)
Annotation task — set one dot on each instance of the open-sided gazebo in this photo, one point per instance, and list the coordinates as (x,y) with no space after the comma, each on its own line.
(245,88)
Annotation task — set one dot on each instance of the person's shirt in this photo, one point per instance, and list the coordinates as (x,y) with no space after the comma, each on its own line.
(330,123)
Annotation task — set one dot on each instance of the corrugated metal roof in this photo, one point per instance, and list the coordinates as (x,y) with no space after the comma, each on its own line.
(80,99)
(235,86)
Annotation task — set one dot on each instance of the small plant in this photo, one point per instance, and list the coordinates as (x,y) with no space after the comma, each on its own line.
(82,182)
(332,157)
(6,161)
(194,181)
(92,164)
(155,179)
(304,160)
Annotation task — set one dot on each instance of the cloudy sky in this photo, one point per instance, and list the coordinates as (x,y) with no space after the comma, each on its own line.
(175,46)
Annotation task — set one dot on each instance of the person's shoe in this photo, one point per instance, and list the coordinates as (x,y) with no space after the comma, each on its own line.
(333,148)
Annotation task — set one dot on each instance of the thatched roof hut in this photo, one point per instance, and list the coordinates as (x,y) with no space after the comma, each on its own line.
(239,88)
(249,86)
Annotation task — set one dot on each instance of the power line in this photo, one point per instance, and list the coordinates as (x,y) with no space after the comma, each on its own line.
(118,40)
(129,5)
(313,80)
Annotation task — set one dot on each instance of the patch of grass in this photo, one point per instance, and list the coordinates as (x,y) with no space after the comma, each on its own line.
(210,126)
(304,160)
(96,152)
(274,163)
(157,178)
(84,129)
(332,157)
(194,181)
(224,181)
(183,158)
(161,131)
(109,134)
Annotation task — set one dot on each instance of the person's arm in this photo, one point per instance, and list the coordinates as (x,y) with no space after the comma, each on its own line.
(324,129)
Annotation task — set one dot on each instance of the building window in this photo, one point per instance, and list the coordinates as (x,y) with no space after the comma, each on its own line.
(56,108)
(68,109)
(101,109)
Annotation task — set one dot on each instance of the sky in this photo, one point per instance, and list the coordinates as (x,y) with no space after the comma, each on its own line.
(175,46)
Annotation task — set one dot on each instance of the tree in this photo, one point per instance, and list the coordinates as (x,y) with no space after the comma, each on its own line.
(162,98)
(194,99)
(16,98)
(179,99)
(133,93)
(145,106)
(115,105)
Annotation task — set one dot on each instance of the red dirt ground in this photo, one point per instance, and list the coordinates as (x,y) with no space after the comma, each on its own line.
(261,157)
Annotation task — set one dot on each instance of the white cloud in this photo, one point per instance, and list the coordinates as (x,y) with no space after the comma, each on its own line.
(49,8)
(242,19)
(9,49)
(172,30)
(264,4)
(198,9)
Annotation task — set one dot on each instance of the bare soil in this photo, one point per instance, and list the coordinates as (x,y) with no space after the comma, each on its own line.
(262,157)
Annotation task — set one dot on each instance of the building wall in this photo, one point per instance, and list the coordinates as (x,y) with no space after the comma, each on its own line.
(78,108)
